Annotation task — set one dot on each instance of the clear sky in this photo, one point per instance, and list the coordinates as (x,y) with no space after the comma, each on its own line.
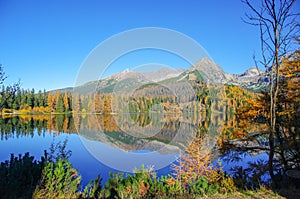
(44,42)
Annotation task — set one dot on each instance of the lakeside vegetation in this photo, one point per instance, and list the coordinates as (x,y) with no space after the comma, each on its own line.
(266,122)
(53,176)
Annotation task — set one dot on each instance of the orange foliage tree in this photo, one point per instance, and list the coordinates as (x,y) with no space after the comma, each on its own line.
(257,110)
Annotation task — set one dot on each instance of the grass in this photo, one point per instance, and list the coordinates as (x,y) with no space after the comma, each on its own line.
(261,193)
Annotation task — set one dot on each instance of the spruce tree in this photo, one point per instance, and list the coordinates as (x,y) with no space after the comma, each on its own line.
(30,98)
(60,104)
(23,98)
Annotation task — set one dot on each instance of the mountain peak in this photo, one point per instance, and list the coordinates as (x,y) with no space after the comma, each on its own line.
(210,70)
(252,78)
(127,70)
(206,60)
(252,71)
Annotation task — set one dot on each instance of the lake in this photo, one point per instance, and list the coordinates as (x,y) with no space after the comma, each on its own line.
(101,144)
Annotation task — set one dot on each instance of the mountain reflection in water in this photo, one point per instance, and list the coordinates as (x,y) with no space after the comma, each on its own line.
(110,143)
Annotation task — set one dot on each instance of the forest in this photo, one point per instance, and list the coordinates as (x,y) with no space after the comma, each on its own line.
(20,101)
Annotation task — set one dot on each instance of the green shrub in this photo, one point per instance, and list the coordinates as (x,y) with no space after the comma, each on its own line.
(142,184)
(19,176)
(93,189)
(59,180)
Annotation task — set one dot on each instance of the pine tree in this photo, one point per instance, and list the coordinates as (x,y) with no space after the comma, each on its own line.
(45,98)
(30,98)
(23,98)
(10,97)
(17,101)
(39,101)
(60,108)
(70,101)
(3,97)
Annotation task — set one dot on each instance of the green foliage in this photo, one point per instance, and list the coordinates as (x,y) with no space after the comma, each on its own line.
(172,187)
(13,97)
(93,189)
(30,98)
(132,186)
(19,176)
(60,108)
(201,187)
(204,186)
(58,151)
(59,180)
(144,184)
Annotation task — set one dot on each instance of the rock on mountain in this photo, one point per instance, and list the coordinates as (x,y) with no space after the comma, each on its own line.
(252,79)
(162,74)
(250,75)
(211,71)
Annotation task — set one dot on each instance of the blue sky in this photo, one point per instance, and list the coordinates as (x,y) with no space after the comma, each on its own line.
(44,42)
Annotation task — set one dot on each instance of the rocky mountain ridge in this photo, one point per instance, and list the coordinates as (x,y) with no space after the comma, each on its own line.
(205,69)
(253,79)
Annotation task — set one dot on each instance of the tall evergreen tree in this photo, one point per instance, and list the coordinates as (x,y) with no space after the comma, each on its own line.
(45,95)
(30,98)
(39,99)
(23,98)
(17,101)
(60,104)
(70,101)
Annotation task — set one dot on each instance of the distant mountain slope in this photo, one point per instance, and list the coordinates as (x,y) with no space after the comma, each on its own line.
(162,74)
(252,79)
(205,69)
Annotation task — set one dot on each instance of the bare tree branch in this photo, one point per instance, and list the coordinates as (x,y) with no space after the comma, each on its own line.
(277,24)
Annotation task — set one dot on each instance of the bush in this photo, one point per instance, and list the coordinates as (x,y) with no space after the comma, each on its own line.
(19,176)
(131,186)
(93,189)
(144,184)
(59,180)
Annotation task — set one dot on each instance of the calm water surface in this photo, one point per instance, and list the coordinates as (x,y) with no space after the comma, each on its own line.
(97,148)
(104,144)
